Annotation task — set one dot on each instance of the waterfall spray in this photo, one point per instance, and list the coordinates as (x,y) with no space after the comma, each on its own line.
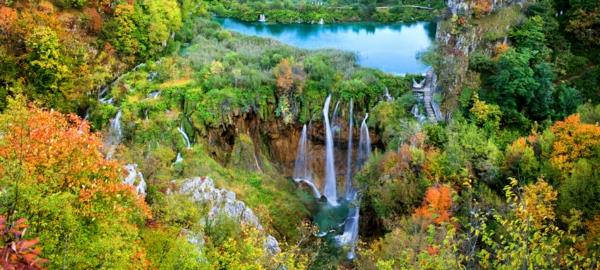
(387,95)
(114,135)
(188,145)
(330,190)
(132,175)
(350,235)
(301,164)
(364,144)
(302,173)
(334,119)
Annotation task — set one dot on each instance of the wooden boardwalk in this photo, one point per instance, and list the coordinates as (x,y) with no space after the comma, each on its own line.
(424,89)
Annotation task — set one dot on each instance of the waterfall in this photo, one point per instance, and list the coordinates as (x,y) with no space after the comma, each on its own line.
(350,234)
(102,96)
(262,18)
(179,158)
(153,94)
(188,145)
(114,135)
(387,95)
(415,111)
(321,21)
(302,173)
(334,120)
(349,154)
(132,175)
(364,144)
(301,164)
(330,190)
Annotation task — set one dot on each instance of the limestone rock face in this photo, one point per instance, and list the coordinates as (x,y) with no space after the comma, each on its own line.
(467,6)
(222,201)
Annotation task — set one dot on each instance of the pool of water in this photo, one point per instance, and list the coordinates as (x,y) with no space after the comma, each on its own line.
(393,48)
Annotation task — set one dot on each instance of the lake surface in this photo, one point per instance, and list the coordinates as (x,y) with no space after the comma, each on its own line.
(393,48)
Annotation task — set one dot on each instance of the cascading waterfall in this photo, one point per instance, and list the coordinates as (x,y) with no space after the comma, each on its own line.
(351,199)
(387,95)
(334,120)
(131,177)
(179,158)
(302,173)
(330,190)
(114,135)
(188,145)
(349,157)
(417,114)
(262,18)
(301,164)
(364,144)
(350,235)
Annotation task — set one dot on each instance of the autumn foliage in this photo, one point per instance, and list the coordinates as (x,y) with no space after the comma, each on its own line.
(573,140)
(482,7)
(53,173)
(436,204)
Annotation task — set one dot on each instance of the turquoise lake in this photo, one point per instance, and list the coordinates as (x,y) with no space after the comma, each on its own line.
(393,48)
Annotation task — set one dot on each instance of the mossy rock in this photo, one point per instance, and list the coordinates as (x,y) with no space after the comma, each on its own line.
(244,155)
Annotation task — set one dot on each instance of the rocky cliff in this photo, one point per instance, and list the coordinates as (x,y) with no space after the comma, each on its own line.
(224,202)
(461,35)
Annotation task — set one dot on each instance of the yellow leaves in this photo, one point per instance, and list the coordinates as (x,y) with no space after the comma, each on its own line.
(216,67)
(573,140)
(289,76)
(484,112)
(499,49)
(283,75)
(538,203)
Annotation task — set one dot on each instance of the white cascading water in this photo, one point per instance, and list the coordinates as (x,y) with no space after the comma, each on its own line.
(349,154)
(302,173)
(179,158)
(387,95)
(131,177)
(334,119)
(364,144)
(350,235)
(417,114)
(114,135)
(153,94)
(188,145)
(330,190)
(262,18)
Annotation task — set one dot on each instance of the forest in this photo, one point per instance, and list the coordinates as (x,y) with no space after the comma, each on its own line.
(144,134)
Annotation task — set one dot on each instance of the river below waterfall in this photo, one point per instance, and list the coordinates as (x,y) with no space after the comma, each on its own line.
(393,48)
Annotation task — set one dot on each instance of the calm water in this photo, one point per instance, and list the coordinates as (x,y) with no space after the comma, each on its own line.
(393,48)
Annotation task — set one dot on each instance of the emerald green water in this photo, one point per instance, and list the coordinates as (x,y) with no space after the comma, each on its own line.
(393,48)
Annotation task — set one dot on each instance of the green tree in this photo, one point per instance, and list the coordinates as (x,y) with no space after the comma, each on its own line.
(121,30)
(45,63)
(581,190)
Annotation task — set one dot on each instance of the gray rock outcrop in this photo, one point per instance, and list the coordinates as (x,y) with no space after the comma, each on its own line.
(222,201)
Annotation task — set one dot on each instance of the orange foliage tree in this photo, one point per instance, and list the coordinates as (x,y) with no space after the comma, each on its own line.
(573,140)
(482,7)
(436,204)
(289,76)
(59,152)
(53,173)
